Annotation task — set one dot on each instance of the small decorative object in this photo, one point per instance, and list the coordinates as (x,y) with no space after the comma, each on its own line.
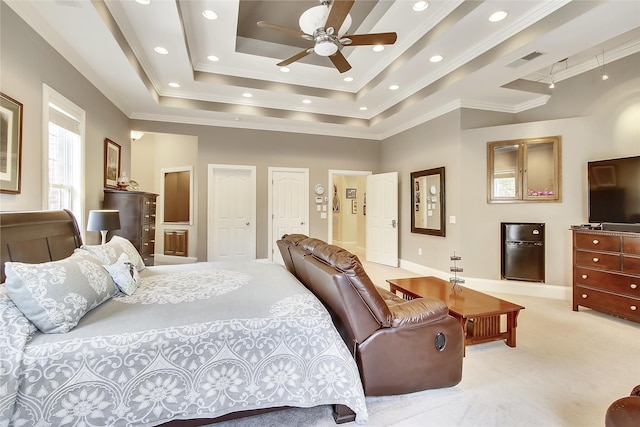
(455,270)
(10,144)
(103,221)
(133,185)
(111,163)
(319,189)
(123,181)
(336,199)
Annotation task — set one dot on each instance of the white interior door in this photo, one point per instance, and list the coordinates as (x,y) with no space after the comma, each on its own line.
(288,204)
(231,213)
(382,218)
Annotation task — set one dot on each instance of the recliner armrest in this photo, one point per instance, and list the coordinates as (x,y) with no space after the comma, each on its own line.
(416,312)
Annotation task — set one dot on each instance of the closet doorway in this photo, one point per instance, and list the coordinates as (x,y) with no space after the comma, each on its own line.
(347,206)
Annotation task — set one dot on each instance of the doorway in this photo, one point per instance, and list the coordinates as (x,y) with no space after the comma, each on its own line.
(347,203)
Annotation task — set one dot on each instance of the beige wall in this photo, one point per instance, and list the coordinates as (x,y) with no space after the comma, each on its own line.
(265,149)
(27,62)
(149,155)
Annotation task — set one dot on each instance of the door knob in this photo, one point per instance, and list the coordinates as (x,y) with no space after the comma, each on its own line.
(394,223)
(247,223)
(302,223)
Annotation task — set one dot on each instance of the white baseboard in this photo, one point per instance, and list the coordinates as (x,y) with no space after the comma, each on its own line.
(170,259)
(500,286)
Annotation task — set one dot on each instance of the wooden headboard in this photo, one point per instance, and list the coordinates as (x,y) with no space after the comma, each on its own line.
(37,236)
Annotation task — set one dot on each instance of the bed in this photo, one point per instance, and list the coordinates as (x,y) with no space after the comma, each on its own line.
(193,342)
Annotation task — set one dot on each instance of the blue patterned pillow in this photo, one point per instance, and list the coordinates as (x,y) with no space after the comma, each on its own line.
(54,296)
(110,251)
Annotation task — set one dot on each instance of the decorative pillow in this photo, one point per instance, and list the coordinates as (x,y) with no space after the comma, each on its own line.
(110,252)
(125,274)
(55,295)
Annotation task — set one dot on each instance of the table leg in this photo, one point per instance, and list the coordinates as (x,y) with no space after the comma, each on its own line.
(512,323)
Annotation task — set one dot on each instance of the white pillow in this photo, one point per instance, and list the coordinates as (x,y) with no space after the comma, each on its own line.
(125,274)
(54,296)
(111,251)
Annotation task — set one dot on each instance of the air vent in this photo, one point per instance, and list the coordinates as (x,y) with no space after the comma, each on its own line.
(518,62)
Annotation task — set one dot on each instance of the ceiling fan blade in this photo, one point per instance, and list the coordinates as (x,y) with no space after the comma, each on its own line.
(289,31)
(339,11)
(295,57)
(340,62)
(371,39)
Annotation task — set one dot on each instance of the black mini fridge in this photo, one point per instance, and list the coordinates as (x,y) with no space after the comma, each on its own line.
(522,251)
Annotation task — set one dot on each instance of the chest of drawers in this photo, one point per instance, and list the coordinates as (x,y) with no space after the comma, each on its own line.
(137,219)
(606,272)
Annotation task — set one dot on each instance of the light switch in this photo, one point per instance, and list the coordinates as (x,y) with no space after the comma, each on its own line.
(323,215)
(324,208)
(452,219)
(318,208)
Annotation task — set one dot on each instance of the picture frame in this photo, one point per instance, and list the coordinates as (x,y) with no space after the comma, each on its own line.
(10,144)
(112,157)
(350,193)
(354,206)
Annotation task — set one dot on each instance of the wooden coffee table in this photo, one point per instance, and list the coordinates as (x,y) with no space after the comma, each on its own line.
(479,314)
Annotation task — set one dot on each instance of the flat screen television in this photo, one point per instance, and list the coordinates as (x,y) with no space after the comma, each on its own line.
(614,191)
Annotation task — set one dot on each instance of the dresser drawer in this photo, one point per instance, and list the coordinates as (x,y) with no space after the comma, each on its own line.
(148,230)
(618,305)
(596,242)
(612,282)
(598,260)
(631,264)
(631,245)
(147,245)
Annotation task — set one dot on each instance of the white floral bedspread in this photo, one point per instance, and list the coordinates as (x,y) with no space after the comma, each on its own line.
(194,341)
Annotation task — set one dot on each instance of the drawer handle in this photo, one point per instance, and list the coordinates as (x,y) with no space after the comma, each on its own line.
(596,241)
(633,286)
(584,296)
(596,259)
(584,276)
(633,308)
(146,229)
(146,216)
(147,203)
(146,244)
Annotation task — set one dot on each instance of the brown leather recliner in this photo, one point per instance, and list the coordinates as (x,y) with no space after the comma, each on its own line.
(625,412)
(400,346)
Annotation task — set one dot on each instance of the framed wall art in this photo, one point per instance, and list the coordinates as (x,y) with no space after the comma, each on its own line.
(10,144)
(111,163)
(350,193)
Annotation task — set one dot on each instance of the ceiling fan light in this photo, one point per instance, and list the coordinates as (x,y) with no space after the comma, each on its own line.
(316,17)
(325,48)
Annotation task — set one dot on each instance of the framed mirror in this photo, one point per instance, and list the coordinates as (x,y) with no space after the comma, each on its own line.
(176,190)
(428,202)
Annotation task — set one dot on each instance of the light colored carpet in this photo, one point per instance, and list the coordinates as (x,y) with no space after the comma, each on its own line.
(566,370)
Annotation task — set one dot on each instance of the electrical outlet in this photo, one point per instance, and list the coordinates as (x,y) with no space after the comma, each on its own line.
(419,251)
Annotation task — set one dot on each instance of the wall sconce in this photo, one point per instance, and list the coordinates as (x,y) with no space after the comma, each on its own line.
(103,221)
(136,135)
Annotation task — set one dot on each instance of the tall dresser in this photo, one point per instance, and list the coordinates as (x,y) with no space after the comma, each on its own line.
(606,272)
(137,219)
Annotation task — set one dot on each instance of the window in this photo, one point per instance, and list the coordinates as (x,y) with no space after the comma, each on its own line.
(64,146)
(524,170)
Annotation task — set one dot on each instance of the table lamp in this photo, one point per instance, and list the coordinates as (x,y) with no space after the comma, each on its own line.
(103,221)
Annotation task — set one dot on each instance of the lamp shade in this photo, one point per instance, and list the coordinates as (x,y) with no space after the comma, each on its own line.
(103,220)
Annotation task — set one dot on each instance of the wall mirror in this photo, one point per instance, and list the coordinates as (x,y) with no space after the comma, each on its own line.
(177,188)
(428,202)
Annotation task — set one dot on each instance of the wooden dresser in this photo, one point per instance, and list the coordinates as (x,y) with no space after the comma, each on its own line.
(137,219)
(606,272)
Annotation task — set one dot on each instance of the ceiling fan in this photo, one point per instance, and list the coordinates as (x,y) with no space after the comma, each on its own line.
(319,24)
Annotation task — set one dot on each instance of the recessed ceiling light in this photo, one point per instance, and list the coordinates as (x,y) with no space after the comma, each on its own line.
(419,6)
(436,58)
(161,50)
(348,79)
(306,101)
(143,2)
(285,69)
(363,108)
(498,16)
(209,14)
(213,58)
(394,87)
(378,48)
(247,95)
(174,84)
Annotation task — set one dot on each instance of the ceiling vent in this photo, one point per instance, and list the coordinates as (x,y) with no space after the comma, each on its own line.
(518,62)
